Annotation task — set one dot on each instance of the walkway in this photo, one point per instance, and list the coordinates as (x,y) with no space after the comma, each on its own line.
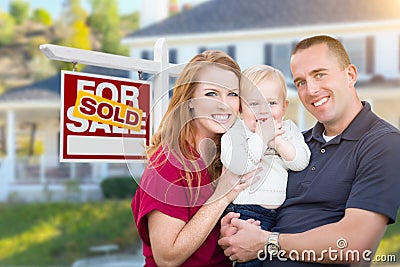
(113,260)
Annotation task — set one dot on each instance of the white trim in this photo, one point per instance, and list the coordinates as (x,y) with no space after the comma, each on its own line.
(11,145)
(23,105)
(267,33)
(87,57)
(94,145)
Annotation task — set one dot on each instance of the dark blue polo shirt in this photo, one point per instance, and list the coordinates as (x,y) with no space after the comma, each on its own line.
(357,169)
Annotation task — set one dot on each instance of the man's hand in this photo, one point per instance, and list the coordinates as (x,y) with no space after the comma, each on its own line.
(227,229)
(243,245)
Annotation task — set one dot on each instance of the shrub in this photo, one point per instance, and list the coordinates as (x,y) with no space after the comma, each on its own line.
(118,187)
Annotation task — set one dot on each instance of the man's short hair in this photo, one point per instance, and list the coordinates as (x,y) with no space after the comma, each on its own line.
(335,47)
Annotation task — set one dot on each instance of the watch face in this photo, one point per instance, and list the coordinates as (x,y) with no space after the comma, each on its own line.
(272,249)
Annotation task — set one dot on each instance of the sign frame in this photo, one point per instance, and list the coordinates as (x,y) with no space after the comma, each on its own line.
(90,145)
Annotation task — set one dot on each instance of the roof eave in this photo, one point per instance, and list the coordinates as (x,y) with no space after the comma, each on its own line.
(267,33)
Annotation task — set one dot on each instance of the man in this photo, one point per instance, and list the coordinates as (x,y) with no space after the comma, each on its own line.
(338,208)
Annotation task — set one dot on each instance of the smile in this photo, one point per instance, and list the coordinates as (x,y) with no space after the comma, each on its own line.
(261,119)
(320,102)
(221,117)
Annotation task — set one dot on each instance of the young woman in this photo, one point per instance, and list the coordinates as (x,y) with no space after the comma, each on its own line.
(183,191)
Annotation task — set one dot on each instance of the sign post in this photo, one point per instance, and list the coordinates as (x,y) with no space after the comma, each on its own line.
(90,122)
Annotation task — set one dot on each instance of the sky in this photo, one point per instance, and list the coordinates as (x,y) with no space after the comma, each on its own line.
(55,6)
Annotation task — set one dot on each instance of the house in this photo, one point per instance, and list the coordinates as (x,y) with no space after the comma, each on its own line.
(265,31)
(252,32)
(32,113)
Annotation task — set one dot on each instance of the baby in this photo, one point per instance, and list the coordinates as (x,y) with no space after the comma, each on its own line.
(263,139)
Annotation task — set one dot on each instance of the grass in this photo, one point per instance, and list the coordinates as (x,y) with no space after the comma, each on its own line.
(390,243)
(44,234)
(57,234)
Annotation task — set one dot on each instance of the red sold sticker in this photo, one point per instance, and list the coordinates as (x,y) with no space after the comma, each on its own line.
(103,118)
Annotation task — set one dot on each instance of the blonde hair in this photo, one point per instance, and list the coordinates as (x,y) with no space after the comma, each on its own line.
(255,75)
(177,130)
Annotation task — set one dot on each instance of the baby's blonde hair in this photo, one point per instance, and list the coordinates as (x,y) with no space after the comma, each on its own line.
(255,75)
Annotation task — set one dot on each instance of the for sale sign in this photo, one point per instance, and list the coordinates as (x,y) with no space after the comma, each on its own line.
(103,118)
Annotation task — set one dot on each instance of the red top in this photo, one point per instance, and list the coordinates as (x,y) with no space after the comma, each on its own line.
(162,188)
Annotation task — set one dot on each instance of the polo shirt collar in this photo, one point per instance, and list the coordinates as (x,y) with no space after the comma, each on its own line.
(356,129)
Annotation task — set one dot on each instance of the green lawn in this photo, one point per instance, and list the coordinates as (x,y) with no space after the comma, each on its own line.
(390,244)
(57,234)
(45,234)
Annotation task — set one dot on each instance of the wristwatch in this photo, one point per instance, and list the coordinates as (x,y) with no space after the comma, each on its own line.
(273,247)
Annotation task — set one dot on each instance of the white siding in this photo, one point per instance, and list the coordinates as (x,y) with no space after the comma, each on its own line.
(186,52)
(249,53)
(387,54)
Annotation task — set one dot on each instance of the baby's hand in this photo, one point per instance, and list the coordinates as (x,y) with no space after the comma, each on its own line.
(278,139)
(266,129)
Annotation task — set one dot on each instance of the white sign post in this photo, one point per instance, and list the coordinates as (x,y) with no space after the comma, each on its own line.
(160,67)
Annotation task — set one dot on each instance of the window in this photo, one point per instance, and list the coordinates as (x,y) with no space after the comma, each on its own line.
(281,58)
(370,54)
(230,49)
(357,51)
(268,54)
(278,56)
(173,56)
(146,54)
(202,49)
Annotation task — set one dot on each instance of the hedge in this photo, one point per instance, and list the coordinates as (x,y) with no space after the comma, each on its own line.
(118,187)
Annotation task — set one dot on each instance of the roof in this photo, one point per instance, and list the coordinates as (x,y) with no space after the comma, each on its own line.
(50,88)
(234,15)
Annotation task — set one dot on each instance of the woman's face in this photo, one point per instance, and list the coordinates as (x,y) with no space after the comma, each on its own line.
(215,103)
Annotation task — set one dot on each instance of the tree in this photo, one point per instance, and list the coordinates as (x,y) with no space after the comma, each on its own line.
(42,16)
(19,10)
(40,67)
(2,86)
(7,26)
(130,22)
(75,31)
(105,19)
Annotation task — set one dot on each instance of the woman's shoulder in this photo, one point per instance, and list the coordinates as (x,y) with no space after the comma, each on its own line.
(163,164)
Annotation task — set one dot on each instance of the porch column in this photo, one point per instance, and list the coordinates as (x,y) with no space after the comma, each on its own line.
(11,145)
(72,171)
(301,116)
(104,170)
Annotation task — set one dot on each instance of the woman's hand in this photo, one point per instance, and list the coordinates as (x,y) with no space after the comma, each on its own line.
(230,185)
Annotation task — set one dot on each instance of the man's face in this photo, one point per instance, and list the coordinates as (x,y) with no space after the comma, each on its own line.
(325,88)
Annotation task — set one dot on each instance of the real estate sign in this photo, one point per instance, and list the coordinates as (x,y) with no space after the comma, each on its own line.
(103,118)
